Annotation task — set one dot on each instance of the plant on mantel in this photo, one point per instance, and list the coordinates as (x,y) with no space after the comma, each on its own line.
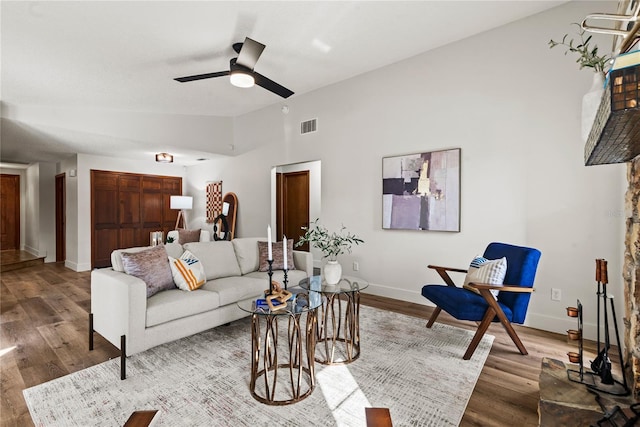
(588,56)
(331,244)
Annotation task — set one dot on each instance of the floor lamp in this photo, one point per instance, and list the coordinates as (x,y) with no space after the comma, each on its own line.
(182,203)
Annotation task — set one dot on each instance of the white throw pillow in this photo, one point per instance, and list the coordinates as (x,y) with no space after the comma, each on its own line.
(188,272)
(482,270)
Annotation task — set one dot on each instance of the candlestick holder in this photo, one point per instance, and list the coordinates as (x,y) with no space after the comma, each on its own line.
(286,270)
(270,261)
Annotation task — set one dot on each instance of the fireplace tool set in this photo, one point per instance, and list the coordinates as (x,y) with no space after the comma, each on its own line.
(600,377)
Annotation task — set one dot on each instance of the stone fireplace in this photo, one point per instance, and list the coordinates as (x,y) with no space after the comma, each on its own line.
(631,275)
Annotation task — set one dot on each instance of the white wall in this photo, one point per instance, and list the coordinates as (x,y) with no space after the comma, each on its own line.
(39,208)
(71,210)
(47,217)
(512,106)
(81,247)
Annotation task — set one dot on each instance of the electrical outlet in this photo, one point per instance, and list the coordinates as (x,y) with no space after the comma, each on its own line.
(356,266)
(556,294)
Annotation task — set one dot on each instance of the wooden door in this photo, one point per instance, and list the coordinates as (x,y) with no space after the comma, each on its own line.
(293,205)
(61,218)
(10,212)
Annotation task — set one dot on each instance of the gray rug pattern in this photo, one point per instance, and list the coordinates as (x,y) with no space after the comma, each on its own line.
(203,380)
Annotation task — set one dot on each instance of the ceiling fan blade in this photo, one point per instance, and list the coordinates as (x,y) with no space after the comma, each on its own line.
(272,86)
(250,52)
(202,76)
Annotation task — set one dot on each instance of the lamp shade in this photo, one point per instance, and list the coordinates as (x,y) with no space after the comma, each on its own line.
(181,202)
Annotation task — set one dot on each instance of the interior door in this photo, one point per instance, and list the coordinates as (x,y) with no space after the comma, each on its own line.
(60,218)
(293,205)
(10,212)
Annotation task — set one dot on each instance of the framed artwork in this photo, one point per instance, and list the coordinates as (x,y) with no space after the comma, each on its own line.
(422,191)
(214,200)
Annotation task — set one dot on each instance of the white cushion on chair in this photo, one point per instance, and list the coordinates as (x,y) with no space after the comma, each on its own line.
(482,270)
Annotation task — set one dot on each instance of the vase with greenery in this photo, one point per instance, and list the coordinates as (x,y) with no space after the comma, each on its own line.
(331,244)
(587,54)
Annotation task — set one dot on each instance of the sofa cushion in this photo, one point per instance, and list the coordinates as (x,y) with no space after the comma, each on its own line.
(188,272)
(247,253)
(116,256)
(278,256)
(188,236)
(174,249)
(233,289)
(152,266)
(217,257)
(174,304)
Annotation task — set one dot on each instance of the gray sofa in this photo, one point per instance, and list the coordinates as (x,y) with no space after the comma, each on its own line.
(122,313)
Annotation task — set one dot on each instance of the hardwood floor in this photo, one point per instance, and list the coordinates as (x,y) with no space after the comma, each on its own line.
(43,335)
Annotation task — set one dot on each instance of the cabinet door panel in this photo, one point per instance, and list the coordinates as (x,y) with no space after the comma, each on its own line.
(152,209)
(104,242)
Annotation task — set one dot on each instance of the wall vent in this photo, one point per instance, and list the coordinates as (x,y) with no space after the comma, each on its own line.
(309,126)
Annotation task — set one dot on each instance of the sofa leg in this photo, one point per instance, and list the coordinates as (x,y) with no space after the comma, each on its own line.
(90,331)
(123,357)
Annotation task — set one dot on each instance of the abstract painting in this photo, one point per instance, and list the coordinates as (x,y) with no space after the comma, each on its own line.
(422,191)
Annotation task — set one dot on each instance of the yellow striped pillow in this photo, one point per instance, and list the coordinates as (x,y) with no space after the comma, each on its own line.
(188,272)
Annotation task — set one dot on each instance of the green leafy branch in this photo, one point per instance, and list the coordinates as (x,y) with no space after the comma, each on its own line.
(330,244)
(587,55)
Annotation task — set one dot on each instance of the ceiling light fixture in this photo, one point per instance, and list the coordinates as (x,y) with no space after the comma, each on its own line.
(241,78)
(164,158)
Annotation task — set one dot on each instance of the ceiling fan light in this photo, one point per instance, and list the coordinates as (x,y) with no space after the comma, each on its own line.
(241,79)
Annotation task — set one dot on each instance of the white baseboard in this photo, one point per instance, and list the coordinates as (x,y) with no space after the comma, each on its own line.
(32,251)
(399,294)
(77,267)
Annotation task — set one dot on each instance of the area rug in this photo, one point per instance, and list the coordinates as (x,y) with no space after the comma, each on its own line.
(203,380)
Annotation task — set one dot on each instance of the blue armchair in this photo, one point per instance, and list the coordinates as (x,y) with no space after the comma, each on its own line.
(511,304)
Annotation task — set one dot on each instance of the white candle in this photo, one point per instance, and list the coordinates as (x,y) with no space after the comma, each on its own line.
(284,250)
(269,240)
(225,209)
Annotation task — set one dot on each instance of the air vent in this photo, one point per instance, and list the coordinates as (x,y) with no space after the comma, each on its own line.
(309,126)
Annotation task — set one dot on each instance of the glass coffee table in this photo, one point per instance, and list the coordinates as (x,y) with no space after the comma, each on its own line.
(338,330)
(282,363)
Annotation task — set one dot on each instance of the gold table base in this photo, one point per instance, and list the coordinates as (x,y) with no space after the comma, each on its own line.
(266,363)
(337,331)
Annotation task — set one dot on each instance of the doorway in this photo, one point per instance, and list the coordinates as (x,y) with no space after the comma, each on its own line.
(292,209)
(10,212)
(61,215)
(296,196)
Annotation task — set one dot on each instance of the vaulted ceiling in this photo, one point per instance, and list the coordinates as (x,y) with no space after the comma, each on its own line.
(95,77)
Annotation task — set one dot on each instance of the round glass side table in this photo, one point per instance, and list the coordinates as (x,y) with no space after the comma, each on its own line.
(338,330)
(289,353)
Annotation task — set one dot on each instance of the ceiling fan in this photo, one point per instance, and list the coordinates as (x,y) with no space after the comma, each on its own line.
(241,72)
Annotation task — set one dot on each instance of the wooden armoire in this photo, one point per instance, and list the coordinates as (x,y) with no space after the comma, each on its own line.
(125,208)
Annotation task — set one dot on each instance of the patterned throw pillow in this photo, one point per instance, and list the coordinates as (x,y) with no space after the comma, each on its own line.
(482,270)
(188,236)
(188,272)
(152,266)
(278,256)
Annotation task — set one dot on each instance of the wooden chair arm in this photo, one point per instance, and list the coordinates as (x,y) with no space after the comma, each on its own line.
(501,288)
(455,270)
(442,271)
